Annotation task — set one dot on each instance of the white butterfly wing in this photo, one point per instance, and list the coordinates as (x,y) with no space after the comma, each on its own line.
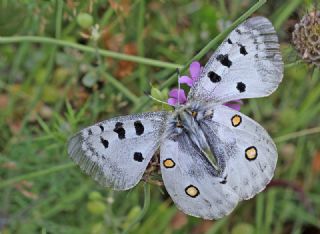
(247,149)
(247,64)
(244,151)
(191,182)
(116,152)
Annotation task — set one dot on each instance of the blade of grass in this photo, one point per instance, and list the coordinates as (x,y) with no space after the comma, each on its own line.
(143,82)
(146,205)
(106,53)
(297,134)
(65,201)
(285,11)
(271,198)
(36,174)
(286,196)
(50,64)
(217,226)
(259,214)
(113,81)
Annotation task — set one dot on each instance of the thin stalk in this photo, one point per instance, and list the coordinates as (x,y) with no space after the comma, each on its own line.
(289,65)
(59,10)
(140,45)
(106,53)
(146,205)
(285,12)
(113,81)
(297,134)
(259,214)
(118,85)
(50,64)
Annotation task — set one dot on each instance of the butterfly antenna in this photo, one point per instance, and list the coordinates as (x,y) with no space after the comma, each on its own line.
(178,72)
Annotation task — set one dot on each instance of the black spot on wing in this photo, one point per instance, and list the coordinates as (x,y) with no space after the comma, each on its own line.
(238,31)
(214,77)
(137,156)
(101,127)
(224,60)
(139,127)
(120,130)
(229,41)
(104,142)
(241,87)
(243,50)
(224,181)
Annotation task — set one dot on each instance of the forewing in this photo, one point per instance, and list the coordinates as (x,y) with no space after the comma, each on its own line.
(247,64)
(116,152)
(248,150)
(191,182)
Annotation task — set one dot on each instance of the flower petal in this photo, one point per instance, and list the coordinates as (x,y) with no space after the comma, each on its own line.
(174,93)
(235,104)
(178,93)
(194,70)
(186,80)
(172,101)
(183,97)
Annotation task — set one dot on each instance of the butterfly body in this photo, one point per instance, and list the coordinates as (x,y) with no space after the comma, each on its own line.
(187,119)
(211,156)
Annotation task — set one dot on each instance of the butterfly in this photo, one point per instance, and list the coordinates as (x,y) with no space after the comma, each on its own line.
(211,156)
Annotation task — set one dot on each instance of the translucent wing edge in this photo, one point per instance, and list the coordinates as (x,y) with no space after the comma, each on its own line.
(270,53)
(85,163)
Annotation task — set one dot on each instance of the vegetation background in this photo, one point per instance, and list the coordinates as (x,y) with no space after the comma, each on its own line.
(67,64)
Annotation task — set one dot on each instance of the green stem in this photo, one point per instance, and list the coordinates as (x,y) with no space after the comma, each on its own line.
(294,135)
(50,65)
(106,53)
(289,65)
(259,214)
(36,174)
(146,205)
(59,10)
(283,13)
(118,85)
(143,82)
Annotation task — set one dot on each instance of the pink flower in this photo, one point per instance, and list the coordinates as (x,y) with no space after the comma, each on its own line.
(235,104)
(194,70)
(175,95)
